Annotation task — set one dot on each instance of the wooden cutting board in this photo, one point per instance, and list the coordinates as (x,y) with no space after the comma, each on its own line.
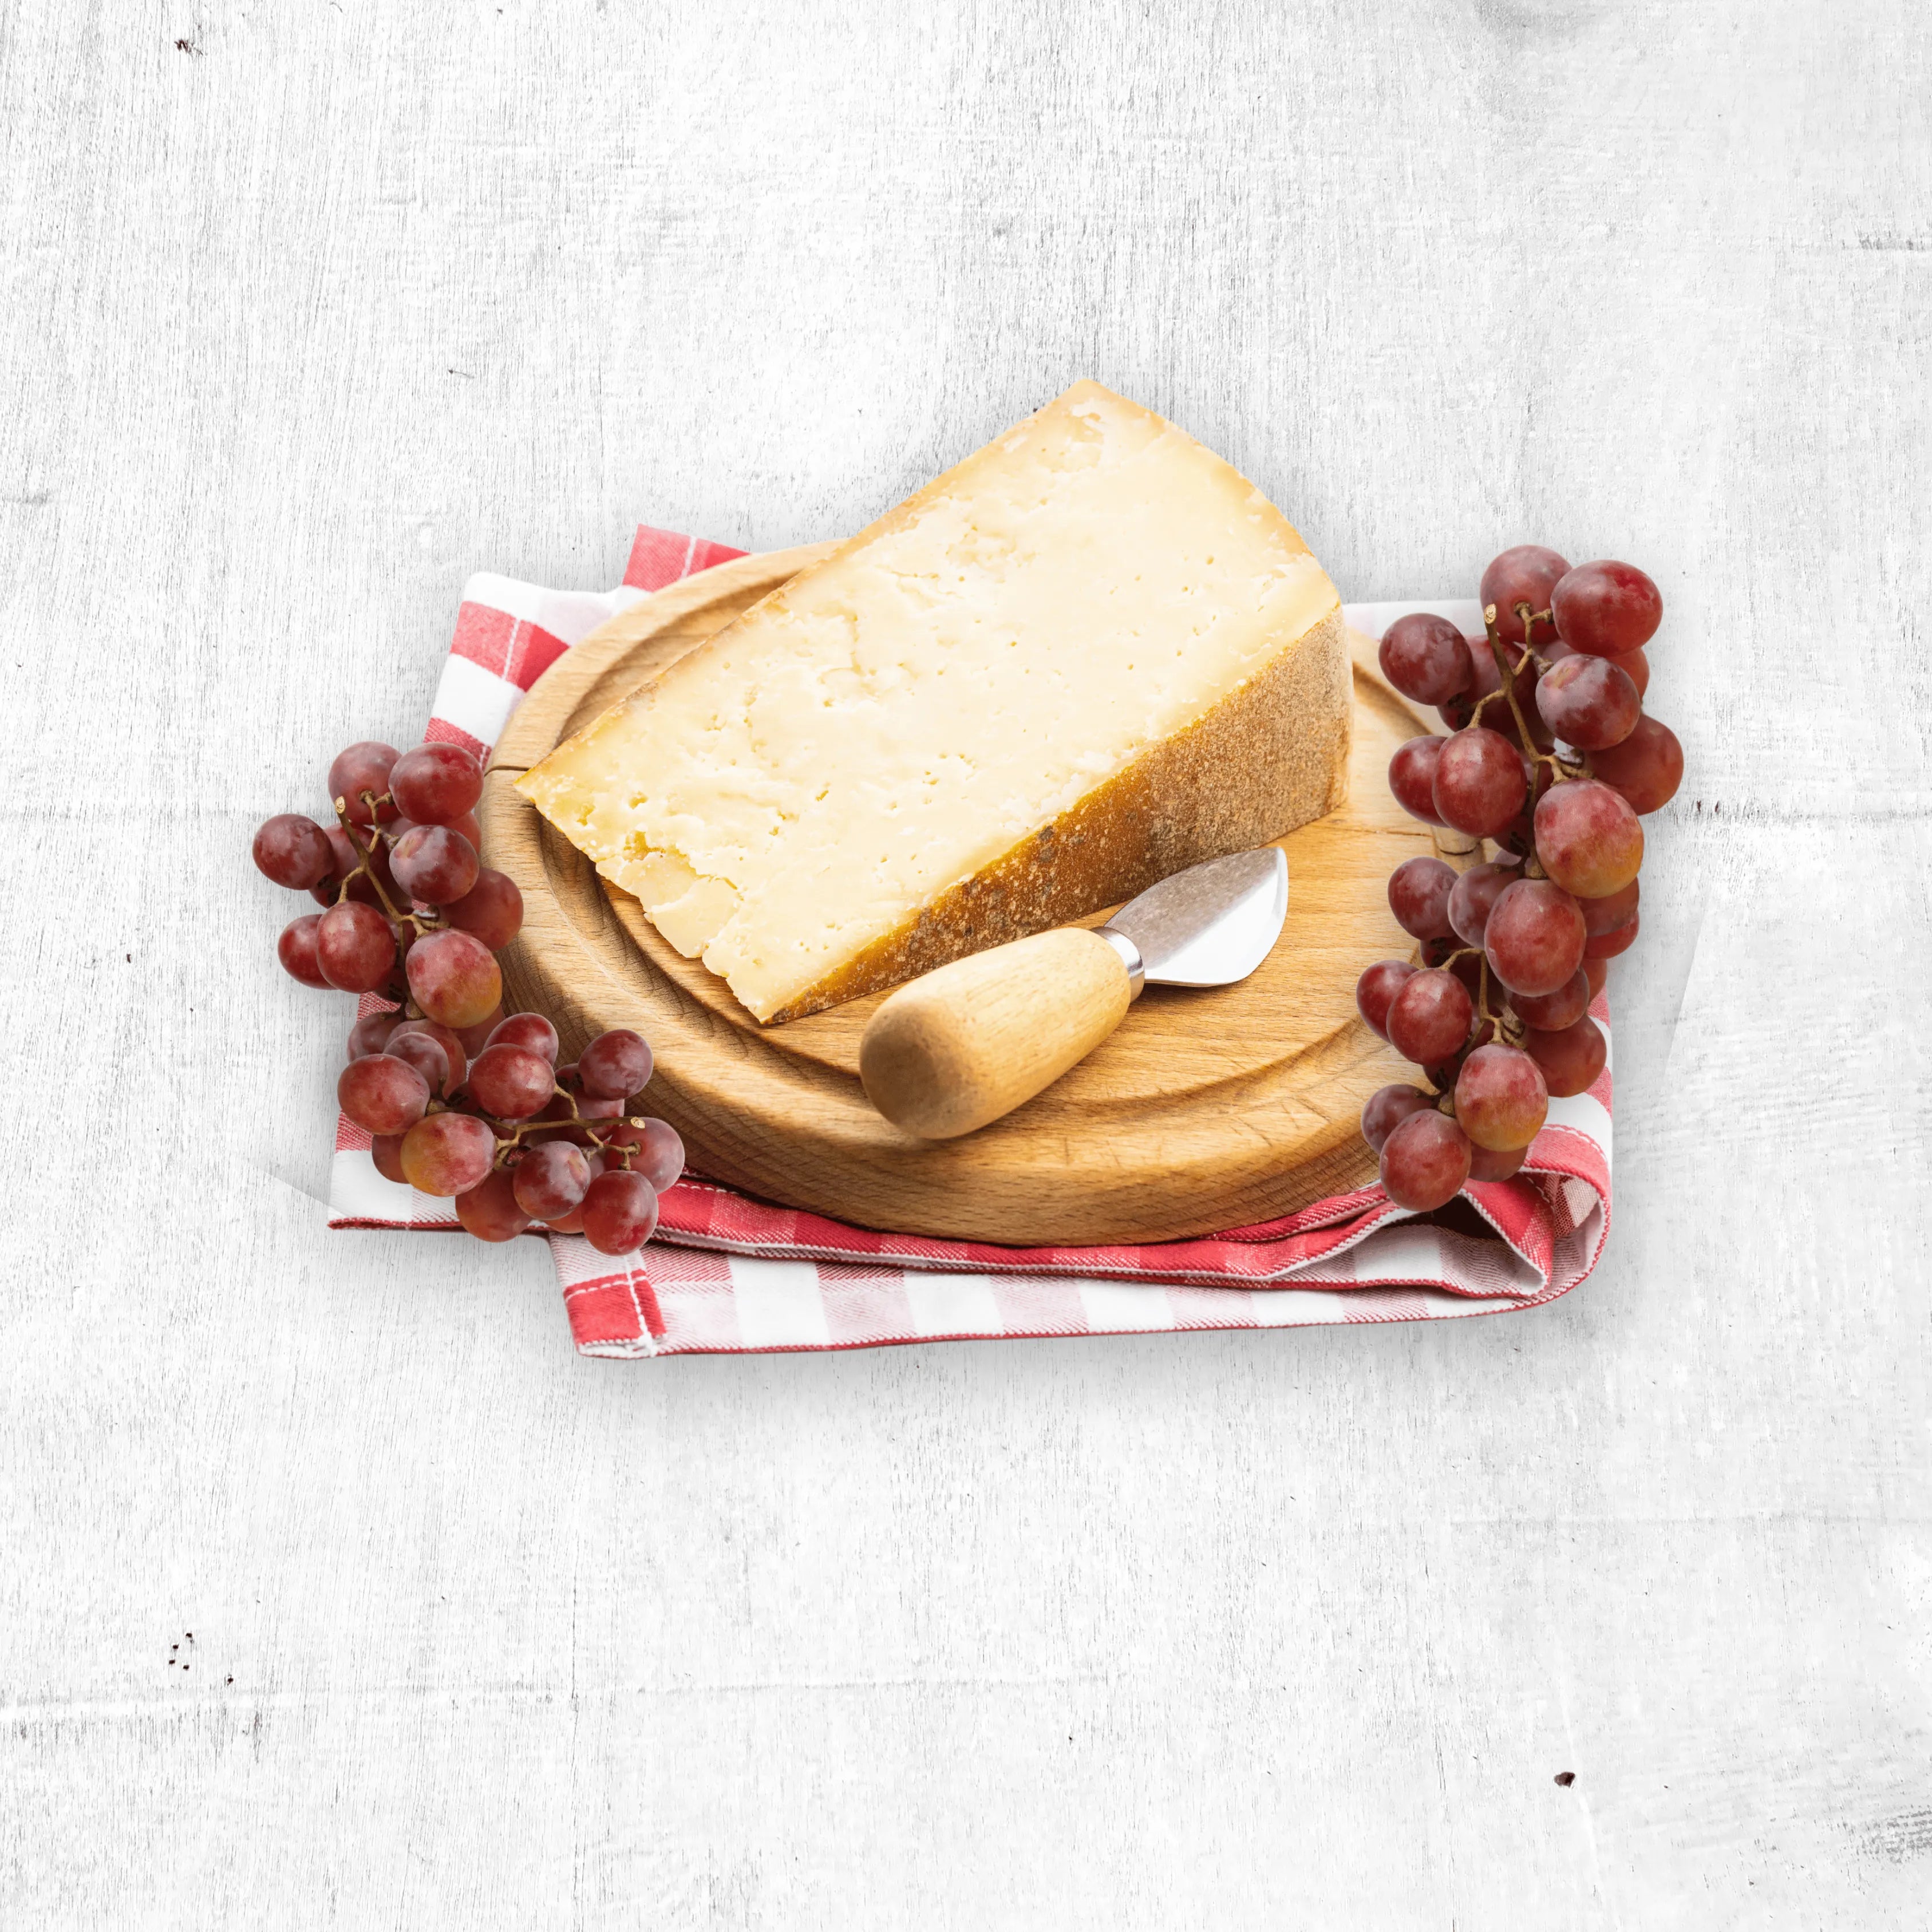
(1207,1110)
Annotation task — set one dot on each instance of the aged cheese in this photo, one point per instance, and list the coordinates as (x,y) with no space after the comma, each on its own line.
(1091,654)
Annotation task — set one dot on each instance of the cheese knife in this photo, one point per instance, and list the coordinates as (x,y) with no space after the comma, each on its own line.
(961,1047)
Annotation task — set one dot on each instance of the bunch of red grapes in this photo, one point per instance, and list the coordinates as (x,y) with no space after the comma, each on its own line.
(1551,757)
(460,1099)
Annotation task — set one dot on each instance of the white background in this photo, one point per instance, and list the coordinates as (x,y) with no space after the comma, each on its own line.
(306,318)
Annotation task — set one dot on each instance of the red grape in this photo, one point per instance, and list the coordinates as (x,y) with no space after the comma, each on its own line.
(1496,1163)
(492,909)
(615,1064)
(572,1223)
(512,1082)
(528,1029)
(1608,945)
(1476,892)
(620,1210)
(465,827)
(1552,1011)
(356,947)
(295,948)
(1589,703)
(600,1106)
(386,1151)
(1571,1056)
(1525,574)
(436,785)
(1605,914)
(1516,840)
(1425,659)
(658,1150)
(1534,938)
(330,881)
(454,978)
(1418,896)
(1633,665)
(1411,777)
(1597,973)
(371,1033)
(1606,609)
(382,1093)
(476,1038)
(294,851)
(1425,1162)
(1467,966)
(1500,1100)
(427,1056)
(489,1210)
(343,857)
(1459,711)
(1636,666)
(549,1180)
(1647,767)
(452,1046)
(448,1154)
(396,989)
(1386,1108)
(1441,1073)
(364,767)
(1480,785)
(1588,838)
(1377,987)
(434,865)
(1429,1018)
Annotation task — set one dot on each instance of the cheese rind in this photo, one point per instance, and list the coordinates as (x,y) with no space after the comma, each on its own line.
(1091,654)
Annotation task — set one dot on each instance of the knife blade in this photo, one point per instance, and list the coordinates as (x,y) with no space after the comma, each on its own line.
(1209,926)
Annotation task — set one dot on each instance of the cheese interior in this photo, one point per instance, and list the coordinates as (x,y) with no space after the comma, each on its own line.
(894,720)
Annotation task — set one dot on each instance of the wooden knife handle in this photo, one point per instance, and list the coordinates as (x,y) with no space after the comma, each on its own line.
(966,1044)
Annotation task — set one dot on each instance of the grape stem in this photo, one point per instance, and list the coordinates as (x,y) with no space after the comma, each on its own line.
(1507,673)
(1476,953)
(1504,690)
(362,851)
(512,1144)
(1532,868)
(416,921)
(1510,1028)
(1577,768)
(1507,1022)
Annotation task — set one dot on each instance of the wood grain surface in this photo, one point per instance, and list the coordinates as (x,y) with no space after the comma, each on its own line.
(336,1592)
(1208,1109)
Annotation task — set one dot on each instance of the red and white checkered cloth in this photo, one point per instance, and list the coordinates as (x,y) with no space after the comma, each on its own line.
(731,1275)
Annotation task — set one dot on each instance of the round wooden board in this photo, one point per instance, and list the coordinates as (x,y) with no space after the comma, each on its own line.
(1207,1110)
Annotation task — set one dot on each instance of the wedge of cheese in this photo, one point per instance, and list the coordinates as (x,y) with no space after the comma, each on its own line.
(1089,655)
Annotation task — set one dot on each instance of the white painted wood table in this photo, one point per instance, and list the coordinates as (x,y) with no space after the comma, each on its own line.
(334,1589)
